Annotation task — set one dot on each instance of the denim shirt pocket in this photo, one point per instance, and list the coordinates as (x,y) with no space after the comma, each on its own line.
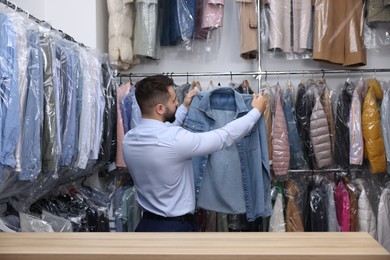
(194,126)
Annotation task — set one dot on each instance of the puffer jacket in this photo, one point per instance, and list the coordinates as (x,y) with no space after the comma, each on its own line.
(281,147)
(372,132)
(341,152)
(319,133)
(355,127)
(120,33)
(384,219)
(366,216)
(326,101)
(385,122)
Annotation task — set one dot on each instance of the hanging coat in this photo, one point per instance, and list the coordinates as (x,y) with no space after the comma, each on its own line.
(319,133)
(281,147)
(341,153)
(385,122)
(327,104)
(353,203)
(296,157)
(268,126)
(277,223)
(372,133)
(342,207)
(384,219)
(303,124)
(366,216)
(293,214)
(355,127)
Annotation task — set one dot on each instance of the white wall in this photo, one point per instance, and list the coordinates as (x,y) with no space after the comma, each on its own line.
(86,21)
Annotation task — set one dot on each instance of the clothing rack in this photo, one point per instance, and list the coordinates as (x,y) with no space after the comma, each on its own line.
(16,8)
(257,73)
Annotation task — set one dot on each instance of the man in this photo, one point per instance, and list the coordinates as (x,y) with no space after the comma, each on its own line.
(158,154)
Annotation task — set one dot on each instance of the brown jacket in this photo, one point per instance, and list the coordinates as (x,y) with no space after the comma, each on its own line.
(293,214)
(338,32)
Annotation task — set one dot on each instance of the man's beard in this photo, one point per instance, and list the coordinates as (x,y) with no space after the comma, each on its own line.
(170,116)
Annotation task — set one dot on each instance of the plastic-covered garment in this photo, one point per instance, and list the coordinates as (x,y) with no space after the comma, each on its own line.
(319,132)
(341,151)
(49,145)
(384,219)
(293,214)
(342,207)
(385,123)
(209,16)
(366,216)
(318,209)
(268,126)
(338,32)
(279,25)
(58,224)
(355,127)
(122,91)
(120,27)
(378,11)
(130,211)
(178,25)
(277,223)
(248,28)
(9,93)
(303,114)
(326,100)
(333,225)
(296,156)
(372,133)
(29,223)
(109,126)
(280,143)
(353,202)
(145,28)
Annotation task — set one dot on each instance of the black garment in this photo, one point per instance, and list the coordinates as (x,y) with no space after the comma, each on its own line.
(341,151)
(318,209)
(154,223)
(303,113)
(109,128)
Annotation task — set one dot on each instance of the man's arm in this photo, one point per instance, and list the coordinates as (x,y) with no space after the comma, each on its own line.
(182,110)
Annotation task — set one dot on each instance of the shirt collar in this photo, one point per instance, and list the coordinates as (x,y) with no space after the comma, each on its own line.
(151,122)
(204,103)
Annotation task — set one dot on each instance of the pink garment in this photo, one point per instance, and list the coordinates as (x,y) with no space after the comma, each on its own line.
(343,207)
(122,91)
(280,143)
(209,15)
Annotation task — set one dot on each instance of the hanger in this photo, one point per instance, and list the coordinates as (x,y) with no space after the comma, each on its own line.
(131,81)
(303,79)
(187,78)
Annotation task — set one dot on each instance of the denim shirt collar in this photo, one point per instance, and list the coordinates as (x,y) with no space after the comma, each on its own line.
(204,103)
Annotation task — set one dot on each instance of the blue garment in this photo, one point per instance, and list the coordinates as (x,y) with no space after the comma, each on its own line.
(126,109)
(296,160)
(66,56)
(178,21)
(31,152)
(208,111)
(9,94)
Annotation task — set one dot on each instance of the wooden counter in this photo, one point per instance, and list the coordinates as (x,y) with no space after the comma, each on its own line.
(215,246)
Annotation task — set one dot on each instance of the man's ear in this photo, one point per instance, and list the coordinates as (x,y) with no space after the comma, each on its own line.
(160,109)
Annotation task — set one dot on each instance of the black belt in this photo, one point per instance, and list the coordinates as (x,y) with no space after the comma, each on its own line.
(185,218)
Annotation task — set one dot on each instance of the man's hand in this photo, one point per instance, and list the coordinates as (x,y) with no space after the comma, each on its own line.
(259,102)
(189,97)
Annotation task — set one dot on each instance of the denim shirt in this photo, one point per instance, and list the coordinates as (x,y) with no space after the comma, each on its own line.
(9,94)
(250,152)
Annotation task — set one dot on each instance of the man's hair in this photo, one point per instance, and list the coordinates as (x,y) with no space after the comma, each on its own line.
(151,91)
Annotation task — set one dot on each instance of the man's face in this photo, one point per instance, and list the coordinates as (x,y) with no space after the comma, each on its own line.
(171,106)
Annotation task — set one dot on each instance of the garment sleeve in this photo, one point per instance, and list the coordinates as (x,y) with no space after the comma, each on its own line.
(180,115)
(191,144)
